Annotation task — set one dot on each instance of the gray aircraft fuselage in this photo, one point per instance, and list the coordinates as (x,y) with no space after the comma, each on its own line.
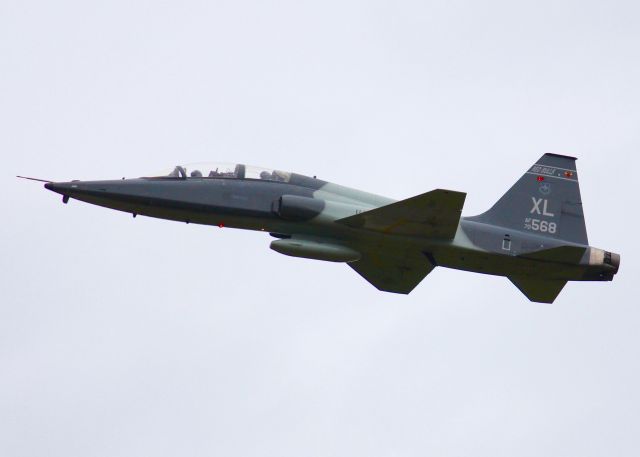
(391,244)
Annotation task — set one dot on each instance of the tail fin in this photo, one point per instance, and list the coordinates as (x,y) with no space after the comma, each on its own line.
(545,200)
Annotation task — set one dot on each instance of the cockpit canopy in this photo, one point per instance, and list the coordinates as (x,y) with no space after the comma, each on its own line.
(226,170)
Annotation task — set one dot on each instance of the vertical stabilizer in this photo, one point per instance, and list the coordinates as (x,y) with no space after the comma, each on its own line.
(545,200)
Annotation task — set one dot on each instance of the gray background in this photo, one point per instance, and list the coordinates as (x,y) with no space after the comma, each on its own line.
(123,337)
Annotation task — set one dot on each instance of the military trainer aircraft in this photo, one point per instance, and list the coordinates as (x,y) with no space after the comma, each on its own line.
(535,235)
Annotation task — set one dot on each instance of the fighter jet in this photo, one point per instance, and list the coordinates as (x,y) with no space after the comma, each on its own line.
(535,234)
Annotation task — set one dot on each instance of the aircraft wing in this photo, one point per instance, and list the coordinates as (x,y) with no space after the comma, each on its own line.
(434,214)
(391,272)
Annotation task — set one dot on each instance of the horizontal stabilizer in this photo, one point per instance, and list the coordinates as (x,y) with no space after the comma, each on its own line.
(391,272)
(434,214)
(561,254)
(539,290)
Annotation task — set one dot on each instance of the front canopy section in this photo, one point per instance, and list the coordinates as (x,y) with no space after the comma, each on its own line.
(224,171)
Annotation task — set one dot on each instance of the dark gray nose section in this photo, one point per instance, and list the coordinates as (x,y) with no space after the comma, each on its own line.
(73,188)
(118,194)
(82,189)
(66,189)
(59,187)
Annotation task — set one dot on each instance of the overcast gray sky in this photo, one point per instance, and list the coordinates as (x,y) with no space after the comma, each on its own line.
(123,337)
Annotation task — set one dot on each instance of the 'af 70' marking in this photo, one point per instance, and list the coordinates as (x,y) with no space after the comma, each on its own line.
(536,207)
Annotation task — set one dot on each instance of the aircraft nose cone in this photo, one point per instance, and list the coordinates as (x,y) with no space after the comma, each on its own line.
(54,186)
(77,189)
(66,189)
(103,192)
(59,187)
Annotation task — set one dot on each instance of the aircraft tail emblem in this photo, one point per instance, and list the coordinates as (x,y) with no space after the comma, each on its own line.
(545,200)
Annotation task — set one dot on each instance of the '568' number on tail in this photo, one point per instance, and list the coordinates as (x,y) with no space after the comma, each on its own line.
(538,225)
